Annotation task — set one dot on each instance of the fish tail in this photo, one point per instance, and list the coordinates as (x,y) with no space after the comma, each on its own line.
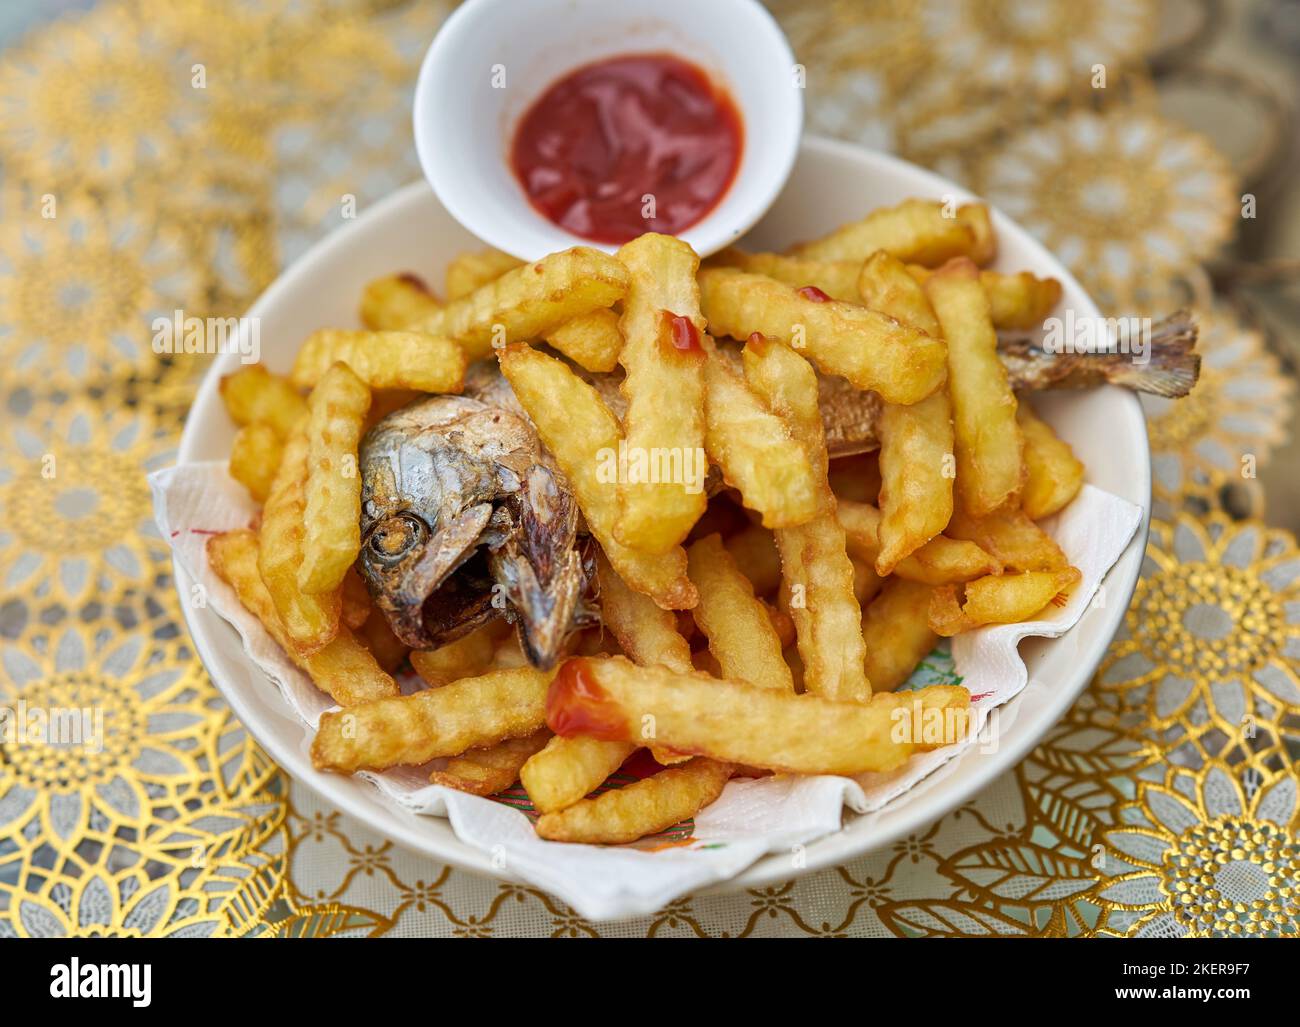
(1172,364)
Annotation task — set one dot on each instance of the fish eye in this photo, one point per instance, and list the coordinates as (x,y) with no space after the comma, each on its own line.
(396,536)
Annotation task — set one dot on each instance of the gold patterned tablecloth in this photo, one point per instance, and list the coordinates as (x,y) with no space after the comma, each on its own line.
(158,155)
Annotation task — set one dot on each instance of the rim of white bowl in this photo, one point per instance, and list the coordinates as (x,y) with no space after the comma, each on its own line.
(765,177)
(362,801)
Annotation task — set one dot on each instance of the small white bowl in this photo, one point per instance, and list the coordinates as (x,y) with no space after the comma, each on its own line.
(832,183)
(464,125)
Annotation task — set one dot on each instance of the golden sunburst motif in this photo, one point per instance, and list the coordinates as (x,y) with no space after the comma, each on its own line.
(1208,854)
(1043,50)
(75,509)
(1229,425)
(1208,655)
(1119,195)
(81,281)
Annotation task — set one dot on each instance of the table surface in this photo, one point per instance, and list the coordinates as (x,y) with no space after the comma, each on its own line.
(162,156)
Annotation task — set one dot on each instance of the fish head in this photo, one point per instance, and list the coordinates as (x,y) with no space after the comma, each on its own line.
(463,522)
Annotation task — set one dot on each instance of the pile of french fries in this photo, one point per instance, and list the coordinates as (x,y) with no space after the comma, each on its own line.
(764,629)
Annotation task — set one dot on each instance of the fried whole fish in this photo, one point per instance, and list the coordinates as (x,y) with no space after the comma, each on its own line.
(464,517)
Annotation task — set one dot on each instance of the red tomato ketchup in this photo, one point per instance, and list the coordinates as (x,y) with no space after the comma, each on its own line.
(622,139)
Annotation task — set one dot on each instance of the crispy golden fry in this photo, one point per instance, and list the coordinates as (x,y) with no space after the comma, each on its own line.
(884,284)
(646,633)
(332,517)
(739,627)
(355,600)
(866,583)
(490,770)
(255,457)
(990,465)
(570,768)
(412,729)
(975,216)
(394,301)
(1053,474)
(870,349)
(916,231)
(254,394)
(473,270)
(310,619)
(759,727)
(1011,538)
(916,442)
(583,436)
(663,383)
(343,669)
(530,301)
(896,627)
(815,564)
(754,550)
(1020,301)
(388,650)
(941,561)
(383,360)
(782,624)
(652,804)
(755,450)
(466,657)
(837,278)
(1001,599)
(592,341)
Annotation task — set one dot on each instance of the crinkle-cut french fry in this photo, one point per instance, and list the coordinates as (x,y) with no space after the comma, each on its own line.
(1054,474)
(739,626)
(885,284)
(310,619)
(569,769)
(1011,538)
(388,650)
(394,301)
(1000,599)
(652,804)
(755,450)
(1017,302)
(645,633)
(355,600)
(474,269)
(896,627)
(837,278)
(815,564)
(941,561)
(663,362)
(344,670)
(583,436)
(592,341)
(466,657)
(754,550)
(412,729)
(383,360)
(255,457)
(871,350)
(916,442)
(254,394)
(916,231)
(733,722)
(530,301)
(866,583)
(492,769)
(989,446)
(332,517)
(975,216)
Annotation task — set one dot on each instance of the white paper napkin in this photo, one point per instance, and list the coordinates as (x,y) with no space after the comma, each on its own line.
(750,819)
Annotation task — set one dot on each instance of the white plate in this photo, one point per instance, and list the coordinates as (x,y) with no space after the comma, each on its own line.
(832,182)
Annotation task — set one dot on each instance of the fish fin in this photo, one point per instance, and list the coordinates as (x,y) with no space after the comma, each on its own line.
(1172,364)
